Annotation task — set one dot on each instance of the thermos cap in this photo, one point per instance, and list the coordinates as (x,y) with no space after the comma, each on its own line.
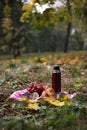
(56,67)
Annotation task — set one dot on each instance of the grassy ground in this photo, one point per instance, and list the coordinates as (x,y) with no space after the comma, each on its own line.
(17,74)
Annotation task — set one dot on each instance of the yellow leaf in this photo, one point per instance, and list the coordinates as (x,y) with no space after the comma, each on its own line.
(78,85)
(54,102)
(42,59)
(25,70)
(33,106)
(65,97)
(24,99)
(57,103)
(33,101)
(61,104)
(49,99)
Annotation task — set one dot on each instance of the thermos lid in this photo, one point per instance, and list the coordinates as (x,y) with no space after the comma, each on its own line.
(56,67)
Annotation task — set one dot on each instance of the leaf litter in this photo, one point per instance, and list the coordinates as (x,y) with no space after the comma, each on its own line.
(74,73)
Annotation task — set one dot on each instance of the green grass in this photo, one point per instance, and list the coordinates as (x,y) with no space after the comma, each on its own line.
(17,74)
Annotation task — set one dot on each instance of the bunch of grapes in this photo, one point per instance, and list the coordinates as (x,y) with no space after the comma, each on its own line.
(33,87)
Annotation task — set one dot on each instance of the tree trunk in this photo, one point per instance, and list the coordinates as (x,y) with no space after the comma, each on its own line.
(67,37)
(16,50)
(68,27)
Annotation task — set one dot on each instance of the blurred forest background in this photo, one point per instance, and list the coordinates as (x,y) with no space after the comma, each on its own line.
(25,29)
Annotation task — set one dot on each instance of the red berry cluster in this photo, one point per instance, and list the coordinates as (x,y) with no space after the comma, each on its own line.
(33,87)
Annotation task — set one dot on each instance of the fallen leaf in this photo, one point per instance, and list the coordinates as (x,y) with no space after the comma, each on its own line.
(65,97)
(33,106)
(78,85)
(33,101)
(24,99)
(54,102)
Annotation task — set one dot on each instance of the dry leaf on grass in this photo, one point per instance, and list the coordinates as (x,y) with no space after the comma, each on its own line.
(33,106)
(54,102)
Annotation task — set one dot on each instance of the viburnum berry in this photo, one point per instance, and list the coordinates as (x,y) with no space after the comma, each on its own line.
(33,87)
(29,89)
(40,86)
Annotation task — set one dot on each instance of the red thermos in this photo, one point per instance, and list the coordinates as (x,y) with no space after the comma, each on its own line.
(56,79)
